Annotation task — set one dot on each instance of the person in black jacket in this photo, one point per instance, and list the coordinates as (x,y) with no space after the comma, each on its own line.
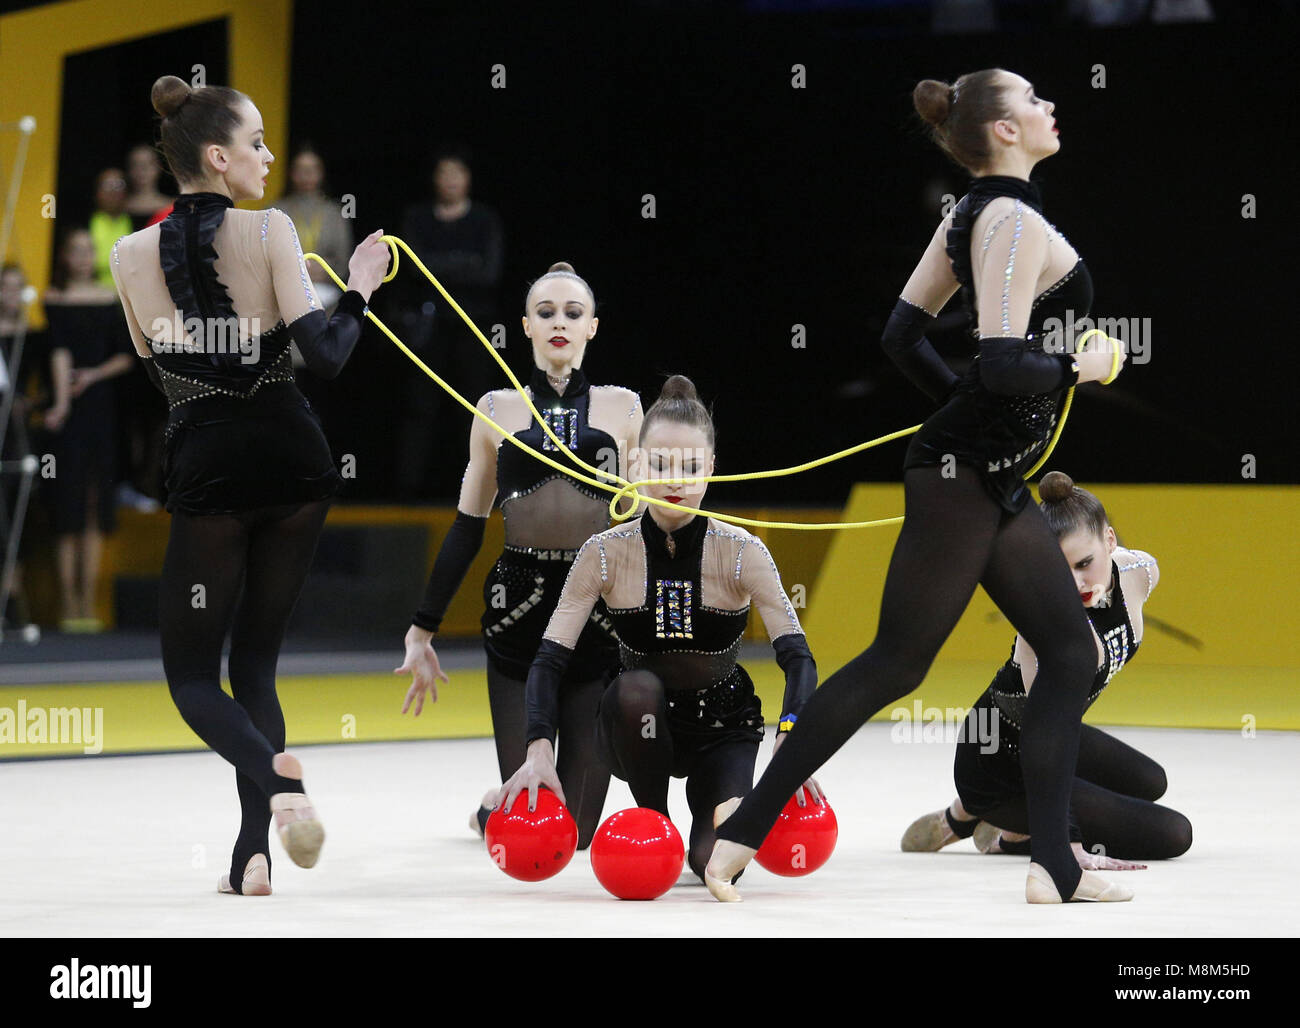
(460,241)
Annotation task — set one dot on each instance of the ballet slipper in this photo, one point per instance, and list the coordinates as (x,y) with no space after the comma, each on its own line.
(1039,888)
(986,837)
(930,834)
(489,801)
(728,858)
(257,878)
(301,832)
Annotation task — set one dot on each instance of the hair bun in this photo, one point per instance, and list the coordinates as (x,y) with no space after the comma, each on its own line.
(679,387)
(168,94)
(932,100)
(561,266)
(1055,487)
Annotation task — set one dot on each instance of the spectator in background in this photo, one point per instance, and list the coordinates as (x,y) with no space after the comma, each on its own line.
(89,346)
(142,414)
(460,241)
(322,227)
(145,203)
(109,222)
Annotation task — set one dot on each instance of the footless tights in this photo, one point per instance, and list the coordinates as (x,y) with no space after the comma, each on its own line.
(268,551)
(584,776)
(634,721)
(1115,787)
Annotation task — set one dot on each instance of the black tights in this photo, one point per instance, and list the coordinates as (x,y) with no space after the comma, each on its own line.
(634,720)
(1115,787)
(584,776)
(955,537)
(269,551)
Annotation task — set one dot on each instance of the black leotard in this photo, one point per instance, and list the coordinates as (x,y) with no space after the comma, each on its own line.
(679,606)
(239,435)
(1003,436)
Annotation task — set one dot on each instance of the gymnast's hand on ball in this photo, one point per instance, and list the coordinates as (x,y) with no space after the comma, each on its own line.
(814,790)
(368,264)
(1101,862)
(537,770)
(422,665)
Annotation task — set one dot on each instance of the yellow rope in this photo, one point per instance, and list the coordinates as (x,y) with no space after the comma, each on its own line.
(623,489)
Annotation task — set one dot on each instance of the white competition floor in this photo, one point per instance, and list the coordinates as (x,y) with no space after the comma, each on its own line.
(132,846)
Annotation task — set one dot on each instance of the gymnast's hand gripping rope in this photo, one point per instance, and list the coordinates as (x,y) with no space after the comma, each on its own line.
(621,487)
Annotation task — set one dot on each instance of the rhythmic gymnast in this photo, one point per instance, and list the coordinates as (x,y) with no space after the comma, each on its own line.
(247,470)
(678,588)
(968,518)
(1112,804)
(548,515)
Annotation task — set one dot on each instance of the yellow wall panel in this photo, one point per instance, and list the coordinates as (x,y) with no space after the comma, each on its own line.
(1228,559)
(33,44)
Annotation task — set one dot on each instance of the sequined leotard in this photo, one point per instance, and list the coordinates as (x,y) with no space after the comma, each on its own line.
(681,706)
(548,515)
(211,293)
(679,612)
(1112,808)
(1003,436)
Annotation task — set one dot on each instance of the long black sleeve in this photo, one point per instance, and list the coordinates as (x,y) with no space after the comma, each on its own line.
(1012,366)
(904,340)
(542,691)
(796,660)
(459,548)
(326,344)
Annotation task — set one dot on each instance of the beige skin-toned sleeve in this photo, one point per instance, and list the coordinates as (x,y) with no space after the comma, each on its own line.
(478,489)
(1138,575)
(760,578)
(1007,264)
(582,589)
(138,338)
(933,283)
(294,293)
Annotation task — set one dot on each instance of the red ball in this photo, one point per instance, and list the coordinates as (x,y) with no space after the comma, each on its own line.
(532,845)
(802,839)
(637,854)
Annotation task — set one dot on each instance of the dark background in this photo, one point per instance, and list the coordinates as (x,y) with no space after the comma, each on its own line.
(778,206)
